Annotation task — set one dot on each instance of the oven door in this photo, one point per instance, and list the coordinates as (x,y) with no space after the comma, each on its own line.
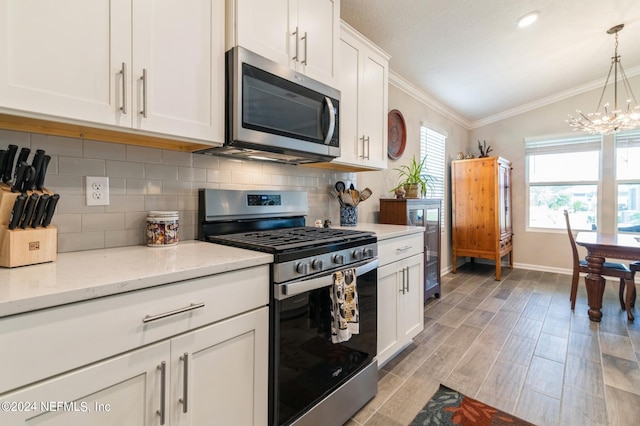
(306,365)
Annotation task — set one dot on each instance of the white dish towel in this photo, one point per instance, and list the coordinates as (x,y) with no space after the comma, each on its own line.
(345,316)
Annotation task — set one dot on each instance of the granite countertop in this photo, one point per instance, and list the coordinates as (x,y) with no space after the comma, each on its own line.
(85,275)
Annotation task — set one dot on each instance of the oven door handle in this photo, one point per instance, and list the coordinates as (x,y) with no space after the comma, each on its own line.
(285,291)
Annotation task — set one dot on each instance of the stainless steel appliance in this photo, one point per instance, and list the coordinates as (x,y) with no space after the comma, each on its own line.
(275,113)
(312,381)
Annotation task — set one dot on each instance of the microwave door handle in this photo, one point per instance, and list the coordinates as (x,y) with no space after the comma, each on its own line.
(332,120)
(287,290)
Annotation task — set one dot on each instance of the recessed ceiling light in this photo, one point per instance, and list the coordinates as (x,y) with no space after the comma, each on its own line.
(528,19)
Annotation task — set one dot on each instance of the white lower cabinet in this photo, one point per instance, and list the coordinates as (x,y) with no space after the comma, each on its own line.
(186,353)
(400,296)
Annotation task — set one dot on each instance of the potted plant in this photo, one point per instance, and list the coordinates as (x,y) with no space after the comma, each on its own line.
(413,178)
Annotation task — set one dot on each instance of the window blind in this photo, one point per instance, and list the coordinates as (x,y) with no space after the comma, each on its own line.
(432,144)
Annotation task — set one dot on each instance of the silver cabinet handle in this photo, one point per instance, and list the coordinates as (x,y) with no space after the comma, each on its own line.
(123,71)
(185,382)
(163,375)
(362,139)
(144,92)
(407,279)
(305,48)
(405,248)
(191,307)
(297,34)
(402,289)
(368,147)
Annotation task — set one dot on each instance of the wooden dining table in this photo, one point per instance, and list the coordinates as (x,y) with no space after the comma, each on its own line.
(601,246)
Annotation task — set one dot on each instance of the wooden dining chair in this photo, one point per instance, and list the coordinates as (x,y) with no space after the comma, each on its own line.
(635,267)
(610,269)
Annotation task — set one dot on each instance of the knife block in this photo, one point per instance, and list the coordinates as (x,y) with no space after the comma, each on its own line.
(20,247)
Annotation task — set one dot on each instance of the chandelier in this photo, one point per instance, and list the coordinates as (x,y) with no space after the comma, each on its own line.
(606,121)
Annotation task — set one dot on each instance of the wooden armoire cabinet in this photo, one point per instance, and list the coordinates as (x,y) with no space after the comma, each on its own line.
(481,210)
(428,214)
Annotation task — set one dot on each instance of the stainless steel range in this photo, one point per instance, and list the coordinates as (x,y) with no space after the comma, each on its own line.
(312,380)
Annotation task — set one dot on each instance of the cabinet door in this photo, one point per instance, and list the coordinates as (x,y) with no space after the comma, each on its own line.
(178,67)
(63,58)
(262,27)
(348,83)
(219,373)
(318,22)
(389,340)
(411,300)
(125,390)
(373,110)
(504,188)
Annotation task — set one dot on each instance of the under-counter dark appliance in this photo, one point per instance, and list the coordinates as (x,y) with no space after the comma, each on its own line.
(275,113)
(312,381)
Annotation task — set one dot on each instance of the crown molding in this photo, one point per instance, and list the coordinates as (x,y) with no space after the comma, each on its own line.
(596,84)
(411,90)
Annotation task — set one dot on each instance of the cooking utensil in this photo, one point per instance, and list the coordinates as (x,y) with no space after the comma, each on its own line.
(365,193)
(40,209)
(43,172)
(346,199)
(38,158)
(51,207)
(340,187)
(28,210)
(334,193)
(7,172)
(18,209)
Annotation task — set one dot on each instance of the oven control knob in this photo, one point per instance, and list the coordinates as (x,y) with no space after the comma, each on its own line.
(318,265)
(358,254)
(339,259)
(368,252)
(302,268)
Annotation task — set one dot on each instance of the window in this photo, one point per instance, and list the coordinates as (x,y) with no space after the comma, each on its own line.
(628,180)
(563,173)
(432,144)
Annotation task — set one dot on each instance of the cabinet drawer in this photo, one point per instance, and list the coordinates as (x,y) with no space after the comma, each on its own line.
(398,248)
(43,343)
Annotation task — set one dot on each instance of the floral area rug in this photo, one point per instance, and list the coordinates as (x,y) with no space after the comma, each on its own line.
(448,407)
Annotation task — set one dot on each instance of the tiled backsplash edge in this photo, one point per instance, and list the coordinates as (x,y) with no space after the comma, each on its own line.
(143,179)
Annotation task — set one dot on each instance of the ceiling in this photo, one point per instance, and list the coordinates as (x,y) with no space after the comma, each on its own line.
(470,57)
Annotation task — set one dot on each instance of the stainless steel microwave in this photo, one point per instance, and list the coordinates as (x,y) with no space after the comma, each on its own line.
(275,113)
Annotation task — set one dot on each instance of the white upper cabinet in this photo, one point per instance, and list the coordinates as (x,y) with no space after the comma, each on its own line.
(84,62)
(62,58)
(363,83)
(178,67)
(301,34)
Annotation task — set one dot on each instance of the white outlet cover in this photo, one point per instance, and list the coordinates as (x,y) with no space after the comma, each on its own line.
(97,190)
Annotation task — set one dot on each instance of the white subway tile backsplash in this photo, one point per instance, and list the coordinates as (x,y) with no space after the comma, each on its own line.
(160,171)
(125,169)
(143,154)
(104,150)
(10,137)
(57,145)
(125,203)
(81,166)
(143,179)
(177,158)
(102,222)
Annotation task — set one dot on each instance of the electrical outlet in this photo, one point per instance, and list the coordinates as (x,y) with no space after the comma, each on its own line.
(97,190)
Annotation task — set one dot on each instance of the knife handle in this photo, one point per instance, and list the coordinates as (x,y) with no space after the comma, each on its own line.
(7,172)
(22,157)
(28,211)
(16,213)
(38,158)
(51,207)
(3,162)
(43,172)
(40,208)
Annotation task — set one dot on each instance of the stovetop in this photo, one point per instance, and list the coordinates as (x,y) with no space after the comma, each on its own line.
(285,239)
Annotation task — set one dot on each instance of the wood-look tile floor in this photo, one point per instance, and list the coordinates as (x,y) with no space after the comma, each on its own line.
(516,345)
